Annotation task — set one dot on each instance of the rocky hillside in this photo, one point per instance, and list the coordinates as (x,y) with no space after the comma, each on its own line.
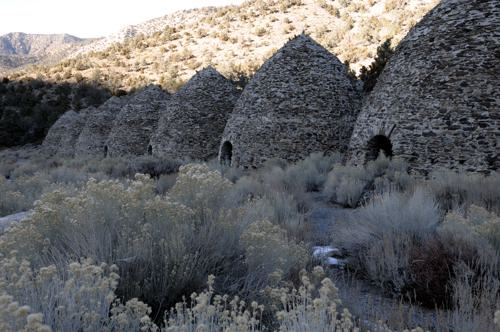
(145,29)
(18,49)
(235,40)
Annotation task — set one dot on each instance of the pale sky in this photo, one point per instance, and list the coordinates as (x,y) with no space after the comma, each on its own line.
(88,18)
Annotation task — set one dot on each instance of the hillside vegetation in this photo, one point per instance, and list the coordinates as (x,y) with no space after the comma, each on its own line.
(29,107)
(19,49)
(236,40)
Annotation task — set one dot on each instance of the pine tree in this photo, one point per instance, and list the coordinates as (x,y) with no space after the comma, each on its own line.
(370,75)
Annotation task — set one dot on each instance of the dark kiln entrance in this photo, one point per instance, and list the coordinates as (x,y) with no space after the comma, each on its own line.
(376,144)
(226,154)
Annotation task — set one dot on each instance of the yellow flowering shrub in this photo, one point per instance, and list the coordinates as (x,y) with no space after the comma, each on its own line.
(162,246)
(210,312)
(198,186)
(82,300)
(269,249)
(314,306)
(14,317)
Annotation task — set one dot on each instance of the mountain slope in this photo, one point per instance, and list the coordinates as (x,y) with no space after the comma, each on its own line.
(237,39)
(18,49)
(146,28)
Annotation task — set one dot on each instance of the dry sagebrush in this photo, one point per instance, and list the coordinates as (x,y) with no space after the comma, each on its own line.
(163,246)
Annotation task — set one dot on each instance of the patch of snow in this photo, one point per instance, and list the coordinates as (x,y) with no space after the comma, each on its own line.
(335,261)
(323,251)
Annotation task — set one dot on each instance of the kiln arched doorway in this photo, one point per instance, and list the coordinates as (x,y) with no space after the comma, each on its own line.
(226,153)
(376,145)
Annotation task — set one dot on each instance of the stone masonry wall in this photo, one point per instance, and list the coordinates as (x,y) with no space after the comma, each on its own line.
(93,137)
(440,92)
(136,122)
(193,122)
(300,101)
(63,135)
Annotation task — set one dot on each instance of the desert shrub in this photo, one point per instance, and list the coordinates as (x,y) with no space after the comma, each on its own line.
(165,183)
(212,312)
(232,173)
(349,185)
(113,167)
(432,264)
(164,246)
(11,200)
(19,318)
(396,178)
(67,175)
(314,306)
(378,167)
(124,224)
(307,175)
(346,184)
(154,166)
(120,167)
(269,252)
(475,296)
(19,194)
(459,190)
(261,31)
(398,242)
(32,177)
(302,176)
(477,222)
(273,177)
(200,188)
(310,174)
(247,188)
(380,236)
(286,212)
(84,299)
(279,208)
(277,191)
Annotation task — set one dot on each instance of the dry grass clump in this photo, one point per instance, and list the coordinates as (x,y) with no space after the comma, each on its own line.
(399,242)
(278,191)
(24,181)
(379,235)
(346,185)
(459,190)
(477,222)
(19,194)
